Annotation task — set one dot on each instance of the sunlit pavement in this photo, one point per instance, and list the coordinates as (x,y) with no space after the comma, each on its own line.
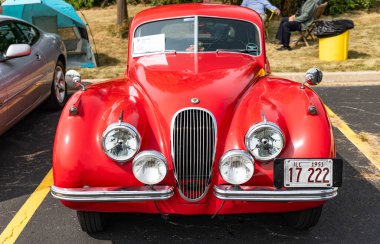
(354,216)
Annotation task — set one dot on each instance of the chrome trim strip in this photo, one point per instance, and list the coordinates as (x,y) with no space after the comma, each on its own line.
(207,139)
(113,194)
(271,194)
(196,27)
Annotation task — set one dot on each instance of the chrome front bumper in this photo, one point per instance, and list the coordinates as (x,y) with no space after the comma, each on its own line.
(113,194)
(271,194)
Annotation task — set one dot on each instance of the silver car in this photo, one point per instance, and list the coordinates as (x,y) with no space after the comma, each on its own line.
(32,70)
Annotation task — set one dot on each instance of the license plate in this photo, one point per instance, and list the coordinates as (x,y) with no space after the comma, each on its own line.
(308,173)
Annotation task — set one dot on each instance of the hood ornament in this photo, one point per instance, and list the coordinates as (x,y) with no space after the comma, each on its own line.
(264,117)
(194,100)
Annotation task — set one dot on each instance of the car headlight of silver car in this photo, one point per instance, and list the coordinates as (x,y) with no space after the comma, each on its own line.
(265,141)
(149,167)
(236,167)
(120,141)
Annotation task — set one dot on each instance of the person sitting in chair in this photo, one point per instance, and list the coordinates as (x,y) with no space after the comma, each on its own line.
(259,6)
(300,21)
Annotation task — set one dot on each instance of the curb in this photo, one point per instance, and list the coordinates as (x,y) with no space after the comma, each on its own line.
(359,78)
(332,77)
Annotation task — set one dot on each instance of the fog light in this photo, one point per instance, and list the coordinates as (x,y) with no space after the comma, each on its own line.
(236,167)
(149,167)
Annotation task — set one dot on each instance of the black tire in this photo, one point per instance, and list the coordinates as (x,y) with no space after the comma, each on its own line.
(58,96)
(303,220)
(91,222)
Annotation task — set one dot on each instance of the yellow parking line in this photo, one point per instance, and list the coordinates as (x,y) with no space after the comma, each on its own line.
(364,147)
(19,221)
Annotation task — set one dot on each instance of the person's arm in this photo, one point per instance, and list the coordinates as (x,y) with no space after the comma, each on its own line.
(307,11)
(244,3)
(272,8)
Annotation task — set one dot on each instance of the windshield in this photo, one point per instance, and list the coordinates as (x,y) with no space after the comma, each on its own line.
(196,34)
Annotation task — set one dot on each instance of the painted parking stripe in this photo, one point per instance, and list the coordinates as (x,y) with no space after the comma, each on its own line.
(363,147)
(21,219)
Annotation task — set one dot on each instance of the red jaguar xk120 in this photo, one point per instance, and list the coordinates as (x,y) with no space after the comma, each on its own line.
(197,126)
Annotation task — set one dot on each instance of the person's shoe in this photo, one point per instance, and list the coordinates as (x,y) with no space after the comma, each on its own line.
(283,48)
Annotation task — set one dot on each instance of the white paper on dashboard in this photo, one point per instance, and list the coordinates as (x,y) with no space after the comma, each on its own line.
(149,44)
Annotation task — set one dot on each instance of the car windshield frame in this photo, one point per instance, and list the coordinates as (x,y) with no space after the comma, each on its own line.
(195,49)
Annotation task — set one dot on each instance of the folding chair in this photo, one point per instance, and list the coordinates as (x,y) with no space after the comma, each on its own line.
(305,34)
(270,14)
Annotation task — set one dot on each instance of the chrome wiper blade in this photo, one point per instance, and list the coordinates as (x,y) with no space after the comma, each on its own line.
(235,50)
(171,51)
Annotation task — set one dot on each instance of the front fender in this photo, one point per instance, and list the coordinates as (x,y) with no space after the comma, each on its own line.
(78,157)
(284,103)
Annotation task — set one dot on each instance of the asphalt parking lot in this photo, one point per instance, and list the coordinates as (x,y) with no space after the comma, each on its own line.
(354,216)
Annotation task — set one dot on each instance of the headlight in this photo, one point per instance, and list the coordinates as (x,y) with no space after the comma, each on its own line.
(149,167)
(236,167)
(120,142)
(265,141)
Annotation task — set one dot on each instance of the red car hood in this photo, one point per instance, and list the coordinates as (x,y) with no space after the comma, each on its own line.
(170,81)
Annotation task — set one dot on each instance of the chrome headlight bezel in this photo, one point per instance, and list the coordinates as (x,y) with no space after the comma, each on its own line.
(149,154)
(255,128)
(236,153)
(126,127)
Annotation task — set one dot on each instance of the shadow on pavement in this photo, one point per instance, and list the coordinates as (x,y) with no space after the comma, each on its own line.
(25,153)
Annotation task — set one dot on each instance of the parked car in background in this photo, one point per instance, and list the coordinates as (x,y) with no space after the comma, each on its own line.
(197,126)
(32,70)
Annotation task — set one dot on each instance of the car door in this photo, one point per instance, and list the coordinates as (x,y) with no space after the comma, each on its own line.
(3,114)
(20,76)
(44,49)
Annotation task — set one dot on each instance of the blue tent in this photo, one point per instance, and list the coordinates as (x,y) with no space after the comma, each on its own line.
(56,16)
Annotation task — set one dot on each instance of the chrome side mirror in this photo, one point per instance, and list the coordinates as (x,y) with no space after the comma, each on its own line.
(73,79)
(313,77)
(16,51)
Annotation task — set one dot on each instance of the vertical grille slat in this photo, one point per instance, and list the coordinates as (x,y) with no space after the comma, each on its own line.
(193,150)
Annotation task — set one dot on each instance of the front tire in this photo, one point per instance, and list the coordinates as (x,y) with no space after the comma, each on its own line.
(91,222)
(58,96)
(305,219)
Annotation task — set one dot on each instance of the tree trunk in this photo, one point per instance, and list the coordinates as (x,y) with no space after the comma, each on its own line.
(122,13)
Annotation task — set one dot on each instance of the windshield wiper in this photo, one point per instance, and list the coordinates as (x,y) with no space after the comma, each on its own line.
(236,50)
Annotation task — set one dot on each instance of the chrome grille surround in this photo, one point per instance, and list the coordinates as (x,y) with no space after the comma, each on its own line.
(193,146)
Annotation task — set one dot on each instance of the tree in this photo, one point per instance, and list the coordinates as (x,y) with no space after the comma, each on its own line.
(122,13)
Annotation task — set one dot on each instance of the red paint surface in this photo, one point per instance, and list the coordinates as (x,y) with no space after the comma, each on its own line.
(156,87)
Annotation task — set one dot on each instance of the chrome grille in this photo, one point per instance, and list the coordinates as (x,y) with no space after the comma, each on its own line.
(193,151)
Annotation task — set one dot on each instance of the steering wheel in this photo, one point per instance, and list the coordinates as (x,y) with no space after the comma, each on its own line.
(221,44)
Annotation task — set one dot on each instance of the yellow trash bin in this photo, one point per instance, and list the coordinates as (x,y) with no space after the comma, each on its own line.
(334,48)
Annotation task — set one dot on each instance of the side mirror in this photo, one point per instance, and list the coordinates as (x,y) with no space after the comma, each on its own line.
(17,50)
(313,77)
(73,79)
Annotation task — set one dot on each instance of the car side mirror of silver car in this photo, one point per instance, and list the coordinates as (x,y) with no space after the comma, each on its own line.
(73,79)
(16,51)
(313,77)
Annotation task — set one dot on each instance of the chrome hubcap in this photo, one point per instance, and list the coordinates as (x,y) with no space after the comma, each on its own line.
(59,84)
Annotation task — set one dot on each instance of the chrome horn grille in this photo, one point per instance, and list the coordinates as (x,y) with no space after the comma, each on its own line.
(193,151)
